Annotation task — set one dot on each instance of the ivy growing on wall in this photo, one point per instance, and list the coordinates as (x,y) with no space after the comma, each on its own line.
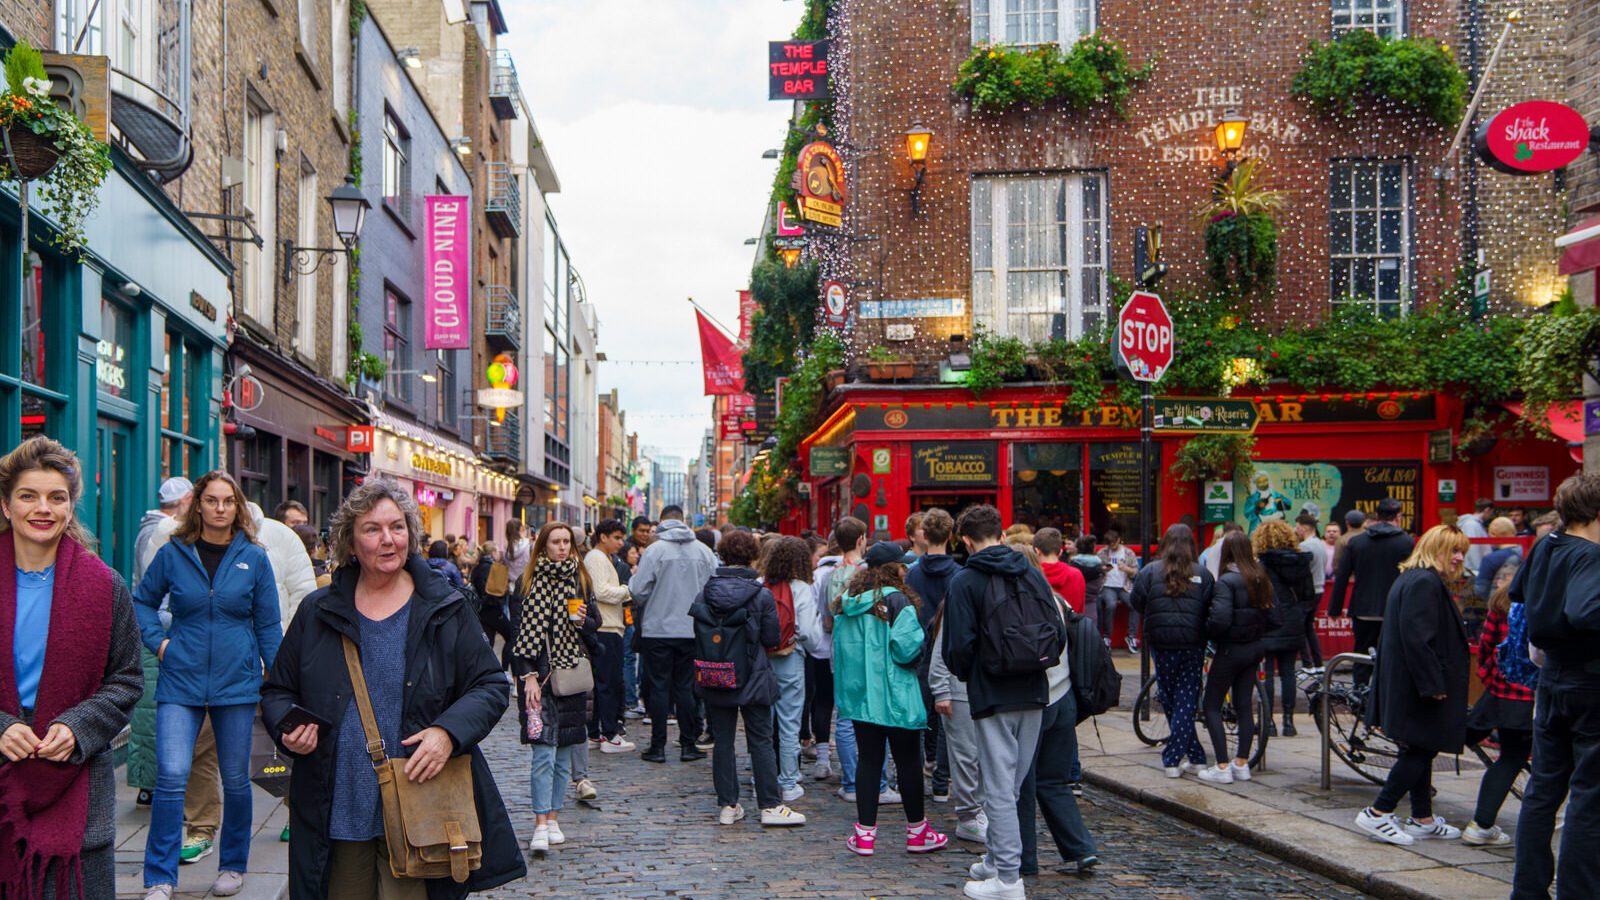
(1093,70)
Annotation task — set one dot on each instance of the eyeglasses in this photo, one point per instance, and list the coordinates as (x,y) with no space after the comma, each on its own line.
(219,503)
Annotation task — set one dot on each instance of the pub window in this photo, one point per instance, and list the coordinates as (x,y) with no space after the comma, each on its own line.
(1385,18)
(1029,22)
(43,350)
(396,165)
(1370,234)
(183,407)
(1039,255)
(397,342)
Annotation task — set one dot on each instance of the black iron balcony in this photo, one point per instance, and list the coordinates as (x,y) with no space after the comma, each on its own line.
(151,121)
(503,85)
(505,318)
(503,204)
(505,439)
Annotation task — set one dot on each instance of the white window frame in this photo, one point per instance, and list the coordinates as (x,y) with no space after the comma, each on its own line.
(1352,256)
(339,16)
(992,306)
(69,20)
(1074,20)
(339,352)
(396,163)
(305,331)
(1348,15)
(306,14)
(258,196)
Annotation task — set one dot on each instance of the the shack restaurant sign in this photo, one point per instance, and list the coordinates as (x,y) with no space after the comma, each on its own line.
(1536,136)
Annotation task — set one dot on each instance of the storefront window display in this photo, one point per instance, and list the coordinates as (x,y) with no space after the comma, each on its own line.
(1047,485)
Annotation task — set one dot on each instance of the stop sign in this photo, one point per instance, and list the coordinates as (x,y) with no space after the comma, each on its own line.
(1144,337)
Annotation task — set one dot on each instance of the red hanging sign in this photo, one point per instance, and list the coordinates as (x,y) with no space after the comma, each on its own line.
(1531,137)
(747,316)
(720,357)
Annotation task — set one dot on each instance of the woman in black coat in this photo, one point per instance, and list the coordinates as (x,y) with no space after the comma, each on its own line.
(441,701)
(1172,595)
(1421,686)
(1289,570)
(1242,610)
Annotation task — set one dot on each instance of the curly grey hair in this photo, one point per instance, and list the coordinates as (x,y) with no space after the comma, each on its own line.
(362,500)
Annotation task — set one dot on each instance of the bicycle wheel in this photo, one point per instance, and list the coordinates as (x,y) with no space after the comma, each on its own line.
(1488,750)
(1263,717)
(1150,715)
(1366,750)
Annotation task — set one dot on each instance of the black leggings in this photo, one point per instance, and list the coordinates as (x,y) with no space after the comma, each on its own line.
(906,745)
(1233,670)
(1283,660)
(1515,748)
(819,687)
(1313,647)
(1412,774)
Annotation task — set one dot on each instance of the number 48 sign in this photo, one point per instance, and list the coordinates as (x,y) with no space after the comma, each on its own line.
(1144,337)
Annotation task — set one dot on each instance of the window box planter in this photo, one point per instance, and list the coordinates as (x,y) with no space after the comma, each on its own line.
(891,370)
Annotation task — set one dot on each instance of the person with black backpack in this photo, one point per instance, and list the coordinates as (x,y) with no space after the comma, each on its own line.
(735,619)
(930,577)
(1002,633)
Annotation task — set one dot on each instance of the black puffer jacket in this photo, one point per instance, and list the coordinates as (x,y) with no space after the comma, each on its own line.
(1172,623)
(1290,572)
(727,591)
(571,714)
(1233,619)
(452,681)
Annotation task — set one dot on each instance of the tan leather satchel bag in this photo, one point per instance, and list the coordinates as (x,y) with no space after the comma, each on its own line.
(431,828)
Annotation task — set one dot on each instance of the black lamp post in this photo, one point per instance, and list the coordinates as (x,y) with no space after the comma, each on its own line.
(349,213)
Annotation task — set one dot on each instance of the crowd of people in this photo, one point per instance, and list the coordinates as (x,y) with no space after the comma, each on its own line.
(950,667)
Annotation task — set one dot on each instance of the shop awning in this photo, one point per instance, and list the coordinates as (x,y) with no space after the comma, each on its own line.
(1580,248)
(1565,420)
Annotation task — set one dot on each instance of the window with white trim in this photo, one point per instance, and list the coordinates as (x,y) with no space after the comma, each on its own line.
(254,277)
(1385,18)
(1369,234)
(339,14)
(396,164)
(308,26)
(305,307)
(1039,245)
(1029,22)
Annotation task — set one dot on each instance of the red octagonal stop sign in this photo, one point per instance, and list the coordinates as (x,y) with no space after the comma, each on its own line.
(1144,336)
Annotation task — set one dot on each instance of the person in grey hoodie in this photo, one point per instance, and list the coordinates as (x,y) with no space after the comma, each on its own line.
(672,572)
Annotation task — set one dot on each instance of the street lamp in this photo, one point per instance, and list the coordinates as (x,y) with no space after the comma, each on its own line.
(918,139)
(349,212)
(791,256)
(1230,139)
(410,57)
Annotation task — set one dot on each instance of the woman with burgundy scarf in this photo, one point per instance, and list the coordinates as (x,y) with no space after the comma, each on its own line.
(69,677)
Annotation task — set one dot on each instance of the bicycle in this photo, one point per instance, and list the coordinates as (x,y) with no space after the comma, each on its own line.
(1150,716)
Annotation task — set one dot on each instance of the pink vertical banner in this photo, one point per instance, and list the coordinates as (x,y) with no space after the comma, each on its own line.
(447,258)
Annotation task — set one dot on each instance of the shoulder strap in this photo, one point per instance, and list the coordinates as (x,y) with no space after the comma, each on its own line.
(369,722)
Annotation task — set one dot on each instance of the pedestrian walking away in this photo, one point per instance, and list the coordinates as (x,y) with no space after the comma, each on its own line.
(672,571)
(436,691)
(786,571)
(59,604)
(1242,610)
(1421,686)
(1174,594)
(1293,571)
(1372,558)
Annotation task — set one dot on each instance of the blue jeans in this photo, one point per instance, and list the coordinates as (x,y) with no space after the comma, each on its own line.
(1107,601)
(1049,787)
(844,738)
(630,670)
(791,672)
(1566,767)
(177,727)
(552,769)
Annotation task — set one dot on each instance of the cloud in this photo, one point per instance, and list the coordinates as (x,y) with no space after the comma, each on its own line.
(654,113)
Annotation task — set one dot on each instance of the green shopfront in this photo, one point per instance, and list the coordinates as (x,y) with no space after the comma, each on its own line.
(117,355)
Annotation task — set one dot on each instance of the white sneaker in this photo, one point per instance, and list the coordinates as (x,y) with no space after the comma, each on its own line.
(1174,772)
(995,889)
(1438,829)
(1190,768)
(541,840)
(730,814)
(981,871)
(1214,775)
(1383,827)
(1484,837)
(1240,773)
(584,789)
(791,794)
(159,892)
(822,771)
(781,815)
(847,796)
(889,797)
(556,834)
(616,745)
(973,830)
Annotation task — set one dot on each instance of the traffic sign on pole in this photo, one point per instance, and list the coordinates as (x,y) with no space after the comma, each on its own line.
(1144,337)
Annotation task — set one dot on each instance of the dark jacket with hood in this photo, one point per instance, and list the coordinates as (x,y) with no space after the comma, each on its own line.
(1560,583)
(452,681)
(730,589)
(930,578)
(1232,619)
(1422,654)
(1290,573)
(1373,557)
(963,628)
(1173,623)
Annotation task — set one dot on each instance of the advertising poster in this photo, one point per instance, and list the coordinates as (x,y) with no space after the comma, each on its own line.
(1284,490)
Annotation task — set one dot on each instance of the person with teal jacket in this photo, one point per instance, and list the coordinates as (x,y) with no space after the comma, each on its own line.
(877,643)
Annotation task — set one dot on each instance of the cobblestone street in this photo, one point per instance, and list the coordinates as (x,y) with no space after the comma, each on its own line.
(653,833)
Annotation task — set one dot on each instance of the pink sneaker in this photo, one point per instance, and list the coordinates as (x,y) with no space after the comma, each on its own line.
(861,840)
(921,838)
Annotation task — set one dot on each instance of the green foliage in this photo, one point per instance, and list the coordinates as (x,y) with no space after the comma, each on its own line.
(358,14)
(1093,70)
(785,321)
(881,354)
(804,394)
(994,360)
(1213,456)
(1417,74)
(22,62)
(1240,195)
(1553,353)
(1242,253)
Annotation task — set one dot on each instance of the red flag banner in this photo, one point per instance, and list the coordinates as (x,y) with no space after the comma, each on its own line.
(747,315)
(724,369)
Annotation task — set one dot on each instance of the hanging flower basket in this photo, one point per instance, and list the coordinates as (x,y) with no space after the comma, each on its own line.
(30,155)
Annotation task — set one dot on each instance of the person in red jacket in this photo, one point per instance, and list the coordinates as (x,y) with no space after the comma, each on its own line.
(1064,578)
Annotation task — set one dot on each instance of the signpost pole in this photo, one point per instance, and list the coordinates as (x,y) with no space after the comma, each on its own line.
(1146,502)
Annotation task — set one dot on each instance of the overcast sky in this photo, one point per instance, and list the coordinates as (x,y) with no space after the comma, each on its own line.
(654,113)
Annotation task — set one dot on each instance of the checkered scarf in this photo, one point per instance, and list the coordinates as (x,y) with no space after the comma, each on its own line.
(544,624)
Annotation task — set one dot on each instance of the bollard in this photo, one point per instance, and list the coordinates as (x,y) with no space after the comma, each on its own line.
(1327,727)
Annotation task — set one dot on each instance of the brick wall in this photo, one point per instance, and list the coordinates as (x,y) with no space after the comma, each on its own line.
(901,55)
(1583,87)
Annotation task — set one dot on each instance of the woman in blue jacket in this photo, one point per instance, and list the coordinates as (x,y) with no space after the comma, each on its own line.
(224,632)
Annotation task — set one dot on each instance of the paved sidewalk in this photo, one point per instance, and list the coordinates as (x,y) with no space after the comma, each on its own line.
(268,878)
(1284,812)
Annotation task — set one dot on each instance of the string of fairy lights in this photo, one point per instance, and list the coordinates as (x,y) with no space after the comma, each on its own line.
(891,66)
